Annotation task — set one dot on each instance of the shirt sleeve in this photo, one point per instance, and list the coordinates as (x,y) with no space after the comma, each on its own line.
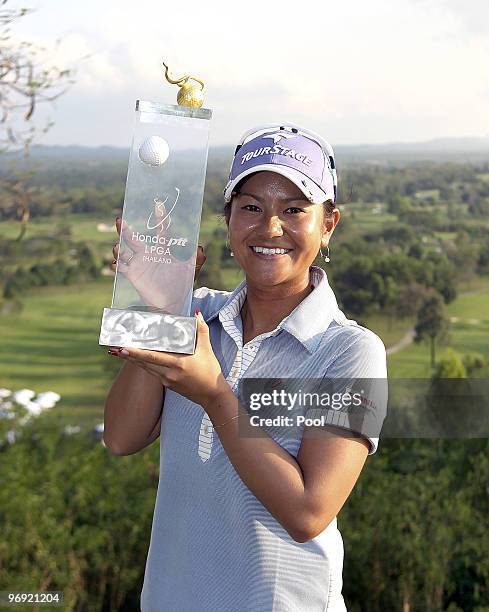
(357,379)
(208,301)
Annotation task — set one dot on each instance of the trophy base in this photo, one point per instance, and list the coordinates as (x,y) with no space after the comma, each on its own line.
(153,331)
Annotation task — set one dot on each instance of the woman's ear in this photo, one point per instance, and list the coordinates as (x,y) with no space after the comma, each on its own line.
(329,226)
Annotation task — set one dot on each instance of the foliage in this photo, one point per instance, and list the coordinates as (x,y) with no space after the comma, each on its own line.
(414,528)
(432,322)
(75,518)
(26,80)
(210,275)
(84,266)
(450,366)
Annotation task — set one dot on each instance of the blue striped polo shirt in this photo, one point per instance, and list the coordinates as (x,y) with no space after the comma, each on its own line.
(214,547)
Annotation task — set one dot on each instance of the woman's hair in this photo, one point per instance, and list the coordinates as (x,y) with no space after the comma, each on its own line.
(328,206)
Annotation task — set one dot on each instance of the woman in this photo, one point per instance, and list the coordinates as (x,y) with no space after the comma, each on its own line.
(245,517)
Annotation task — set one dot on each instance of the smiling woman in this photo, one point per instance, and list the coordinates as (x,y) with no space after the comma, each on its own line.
(275,232)
(245,516)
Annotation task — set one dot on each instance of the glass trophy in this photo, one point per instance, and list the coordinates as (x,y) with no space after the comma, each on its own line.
(161,216)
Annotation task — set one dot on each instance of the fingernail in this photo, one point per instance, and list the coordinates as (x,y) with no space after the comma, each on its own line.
(123,352)
(197,311)
(111,352)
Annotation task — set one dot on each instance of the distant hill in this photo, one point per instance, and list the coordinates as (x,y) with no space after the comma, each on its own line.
(438,150)
(73,153)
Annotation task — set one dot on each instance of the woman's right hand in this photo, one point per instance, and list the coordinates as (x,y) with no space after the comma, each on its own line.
(148,278)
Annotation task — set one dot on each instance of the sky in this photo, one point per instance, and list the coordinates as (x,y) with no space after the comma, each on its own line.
(355,71)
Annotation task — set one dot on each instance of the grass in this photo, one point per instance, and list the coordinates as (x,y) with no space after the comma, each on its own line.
(445,235)
(52,345)
(364,219)
(474,284)
(466,336)
(471,306)
(428,193)
(83,227)
(390,332)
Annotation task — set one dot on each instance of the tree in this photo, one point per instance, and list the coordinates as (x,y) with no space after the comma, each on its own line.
(476,365)
(389,299)
(410,299)
(397,204)
(465,257)
(211,275)
(26,80)
(18,198)
(450,366)
(432,323)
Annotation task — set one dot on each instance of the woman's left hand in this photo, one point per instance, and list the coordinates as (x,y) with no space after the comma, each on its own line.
(198,377)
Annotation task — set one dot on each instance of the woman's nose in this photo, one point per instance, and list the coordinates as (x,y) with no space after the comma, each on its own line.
(272,226)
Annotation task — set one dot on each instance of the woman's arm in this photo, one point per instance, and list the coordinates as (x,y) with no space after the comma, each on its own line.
(304,495)
(133,409)
(132,416)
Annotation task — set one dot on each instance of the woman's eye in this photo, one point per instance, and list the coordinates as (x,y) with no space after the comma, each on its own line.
(295,210)
(251,207)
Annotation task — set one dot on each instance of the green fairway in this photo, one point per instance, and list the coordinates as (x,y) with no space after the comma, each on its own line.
(469,333)
(471,306)
(92,229)
(428,193)
(83,227)
(367,217)
(52,345)
(389,331)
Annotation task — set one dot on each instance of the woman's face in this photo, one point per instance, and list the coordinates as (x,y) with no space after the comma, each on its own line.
(270,212)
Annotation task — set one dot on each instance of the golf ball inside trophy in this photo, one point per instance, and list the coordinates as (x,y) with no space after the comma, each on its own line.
(154,151)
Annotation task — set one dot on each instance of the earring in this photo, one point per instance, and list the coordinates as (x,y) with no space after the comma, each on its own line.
(325,257)
(228,246)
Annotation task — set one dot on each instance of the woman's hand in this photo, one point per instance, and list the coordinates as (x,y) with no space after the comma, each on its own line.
(149,279)
(197,377)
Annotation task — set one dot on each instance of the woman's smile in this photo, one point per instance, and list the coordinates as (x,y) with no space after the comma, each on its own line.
(266,252)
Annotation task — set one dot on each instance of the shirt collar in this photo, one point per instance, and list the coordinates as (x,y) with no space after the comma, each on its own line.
(307,322)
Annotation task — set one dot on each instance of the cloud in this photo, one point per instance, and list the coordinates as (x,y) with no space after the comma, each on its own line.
(470,18)
(409,70)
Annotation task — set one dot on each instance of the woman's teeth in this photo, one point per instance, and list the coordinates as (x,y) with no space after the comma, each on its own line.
(266,251)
